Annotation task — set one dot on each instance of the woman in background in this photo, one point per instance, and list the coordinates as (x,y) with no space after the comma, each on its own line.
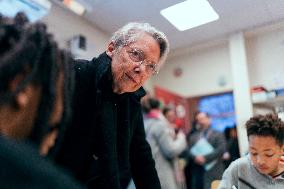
(166,145)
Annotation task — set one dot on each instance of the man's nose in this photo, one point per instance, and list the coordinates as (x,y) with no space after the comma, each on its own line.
(260,160)
(139,67)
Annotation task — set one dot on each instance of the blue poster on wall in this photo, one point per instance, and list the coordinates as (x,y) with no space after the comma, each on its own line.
(221,109)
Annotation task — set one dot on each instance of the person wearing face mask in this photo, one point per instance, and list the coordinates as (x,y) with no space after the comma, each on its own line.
(33,72)
(105,145)
(263,166)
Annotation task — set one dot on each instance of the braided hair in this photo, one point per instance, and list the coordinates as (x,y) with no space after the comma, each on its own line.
(69,87)
(30,50)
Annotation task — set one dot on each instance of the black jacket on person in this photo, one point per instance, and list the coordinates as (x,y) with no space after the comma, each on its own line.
(22,167)
(106,141)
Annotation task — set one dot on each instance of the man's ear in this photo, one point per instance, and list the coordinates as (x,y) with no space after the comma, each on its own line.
(110,49)
(21,99)
(282,150)
(282,153)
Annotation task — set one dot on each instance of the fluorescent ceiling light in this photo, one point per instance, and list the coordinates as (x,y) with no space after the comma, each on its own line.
(74,6)
(190,14)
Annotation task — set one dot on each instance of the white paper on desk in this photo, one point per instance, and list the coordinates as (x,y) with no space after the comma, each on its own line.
(203,147)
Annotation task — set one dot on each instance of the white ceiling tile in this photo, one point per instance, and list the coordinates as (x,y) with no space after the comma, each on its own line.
(235,15)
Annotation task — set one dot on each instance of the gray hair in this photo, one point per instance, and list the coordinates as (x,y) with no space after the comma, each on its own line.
(130,33)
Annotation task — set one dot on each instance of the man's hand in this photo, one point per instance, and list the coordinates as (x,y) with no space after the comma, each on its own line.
(200,160)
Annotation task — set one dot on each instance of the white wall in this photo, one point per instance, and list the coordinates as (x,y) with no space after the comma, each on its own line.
(202,71)
(265,52)
(203,68)
(65,24)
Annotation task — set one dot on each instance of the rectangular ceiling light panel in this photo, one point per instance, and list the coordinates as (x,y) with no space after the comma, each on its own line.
(190,14)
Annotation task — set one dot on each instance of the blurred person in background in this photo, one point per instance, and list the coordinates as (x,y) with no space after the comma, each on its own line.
(34,75)
(189,163)
(145,103)
(170,115)
(179,162)
(232,149)
(206,148)
(166,144)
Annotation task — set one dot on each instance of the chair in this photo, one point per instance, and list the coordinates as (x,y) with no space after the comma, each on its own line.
(215,184)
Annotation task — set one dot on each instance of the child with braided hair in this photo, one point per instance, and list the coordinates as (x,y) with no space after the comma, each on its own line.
(35,92)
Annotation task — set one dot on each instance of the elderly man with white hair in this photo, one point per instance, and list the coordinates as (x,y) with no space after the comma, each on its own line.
(105,144)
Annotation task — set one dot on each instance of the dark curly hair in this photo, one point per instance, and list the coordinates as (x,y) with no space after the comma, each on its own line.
(266,125)
(166,109)
(153,103)
(28,49)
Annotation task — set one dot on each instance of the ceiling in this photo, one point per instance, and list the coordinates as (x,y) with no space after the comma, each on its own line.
(235,15)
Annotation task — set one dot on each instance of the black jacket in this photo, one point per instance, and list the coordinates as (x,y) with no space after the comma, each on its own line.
(22,167)
(106,141)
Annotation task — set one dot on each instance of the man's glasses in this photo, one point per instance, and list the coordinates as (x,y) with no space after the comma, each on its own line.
(137,55)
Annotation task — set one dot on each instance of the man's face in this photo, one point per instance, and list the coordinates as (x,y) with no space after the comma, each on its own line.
(265,154)
(203,120)
(171,116)
(134,63)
